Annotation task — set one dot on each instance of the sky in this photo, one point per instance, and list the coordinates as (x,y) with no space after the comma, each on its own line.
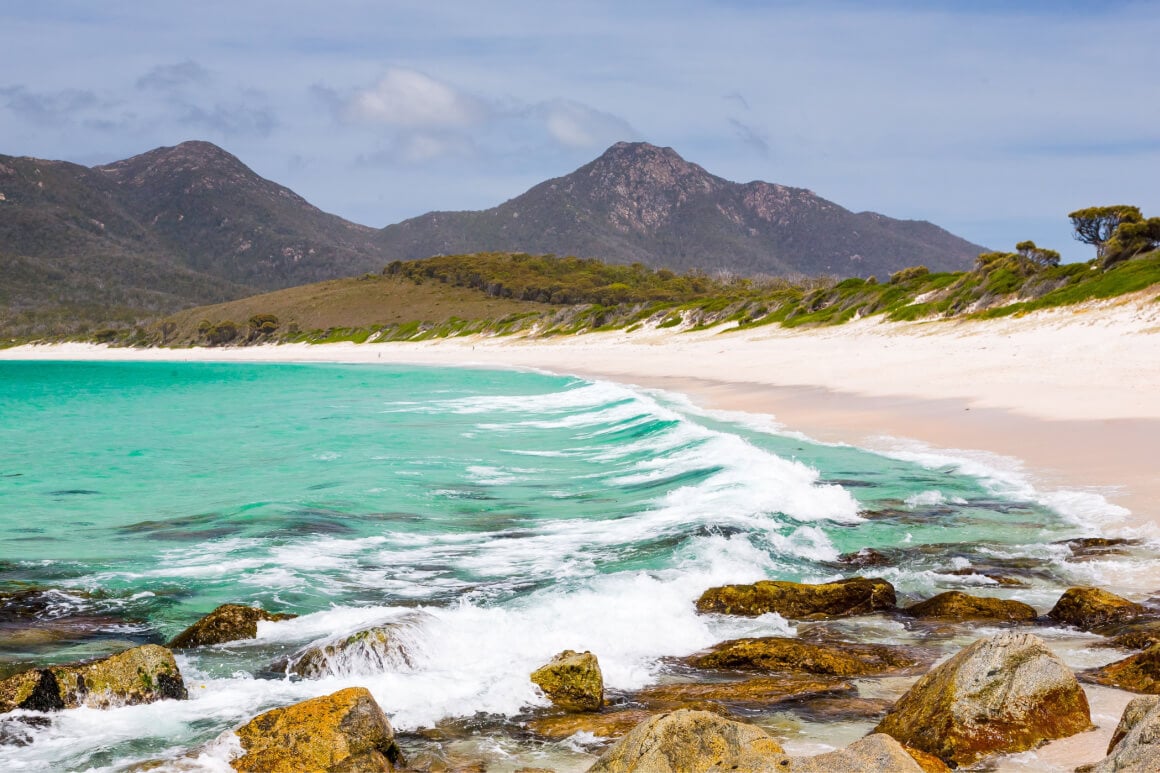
(992,119)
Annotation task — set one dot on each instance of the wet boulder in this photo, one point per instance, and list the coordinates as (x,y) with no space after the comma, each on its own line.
(1005,694)
(747,694)
(956,605)
(853,596)
(1137,673)
(692,742)
(605,724)
(1135,743)
(345,731)
(572,681)
(139,675)
(876,753)
(229,622)
(1090,609)
(382,648)
(779,654)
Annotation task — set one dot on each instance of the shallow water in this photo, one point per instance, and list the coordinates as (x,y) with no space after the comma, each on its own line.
(497,516)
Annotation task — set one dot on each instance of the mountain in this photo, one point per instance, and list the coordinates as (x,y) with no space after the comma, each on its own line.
(639,202)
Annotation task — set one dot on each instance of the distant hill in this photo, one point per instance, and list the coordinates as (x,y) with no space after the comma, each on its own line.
(639,202)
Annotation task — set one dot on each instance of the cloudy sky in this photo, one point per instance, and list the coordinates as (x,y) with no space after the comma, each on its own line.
(993,119)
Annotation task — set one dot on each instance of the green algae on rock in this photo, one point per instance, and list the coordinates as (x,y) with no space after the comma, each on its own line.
(572,681)
(761,692)
(1090,609)
(1000,695)
(345,731)
(775,653)
(1137,673)
(853,596)
(229,622)
(956,605)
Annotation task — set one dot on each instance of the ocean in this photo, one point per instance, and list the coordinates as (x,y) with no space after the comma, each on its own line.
(493,517)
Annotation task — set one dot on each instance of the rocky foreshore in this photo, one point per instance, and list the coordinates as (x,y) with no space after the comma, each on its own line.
(1002,694)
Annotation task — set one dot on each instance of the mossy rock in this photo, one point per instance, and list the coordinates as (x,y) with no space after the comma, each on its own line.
(853,596)
(748,694)
(606,724)
(1004,695)
(1091,609)
(229,622)
(345,731)
(685,741)
(1137,673)
(956,605)
(375,649)
(572,681)
(35,690)
(780,654)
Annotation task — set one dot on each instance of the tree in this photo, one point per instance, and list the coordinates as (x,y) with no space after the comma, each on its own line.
(1132,239)
(1096,225)
(1037,255)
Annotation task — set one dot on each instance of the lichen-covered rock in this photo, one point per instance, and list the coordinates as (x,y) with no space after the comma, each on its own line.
(748,694)
(345,731)
(374,649)
(692,742)
(1135,743)
(853,596)
(956,605)
(1090,609)
(1003,694)
(775,653)
(229,622)
(139,675)
(1138,673)
(876,753)
(572,681)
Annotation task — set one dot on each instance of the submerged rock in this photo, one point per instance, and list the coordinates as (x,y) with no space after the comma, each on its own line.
(956,605)
(876,753)
(1004,694)
(750,693)
(1135,744)
(865,557)
(775,653)
(607,724)
(1138,673)
(572,681)
(853,596)
(229,622)
(139,675)
(1091,608)
(345,731)
(692,742)
(382,648)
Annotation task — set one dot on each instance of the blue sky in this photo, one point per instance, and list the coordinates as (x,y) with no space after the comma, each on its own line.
(991,119)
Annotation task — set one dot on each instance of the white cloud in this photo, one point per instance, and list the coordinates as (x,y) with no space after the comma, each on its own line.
(575,125)
(411,99)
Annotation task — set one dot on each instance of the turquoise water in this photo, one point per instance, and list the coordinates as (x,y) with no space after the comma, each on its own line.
(502,516)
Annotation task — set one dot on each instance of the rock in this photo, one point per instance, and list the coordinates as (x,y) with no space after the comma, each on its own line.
(1097,547)
(839,708)
(854,596)
(876,753)
(775,653)
(1003,694)
(572,681)
(957,605)
(229,622)
(139,675)
(1138,673)
(998,579)
(928,762)
(1091,608)
(692,742)
(1136,638)
(17,731)
(611,724)
(1135,743)
(750,693)
(375,649)
(865,557)
(345,731)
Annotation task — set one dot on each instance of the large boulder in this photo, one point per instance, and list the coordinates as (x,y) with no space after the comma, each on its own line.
(1138,673)
(139,675)
(345,731)
(692,742)
(1090,609)
(775,653)
(956,605)
(1135,743)
(371,650)
(229,622)
(876,753)
(1004,694)
(853,596)
(572,681)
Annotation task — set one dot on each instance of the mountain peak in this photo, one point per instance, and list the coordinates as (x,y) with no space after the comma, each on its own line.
(195,157)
